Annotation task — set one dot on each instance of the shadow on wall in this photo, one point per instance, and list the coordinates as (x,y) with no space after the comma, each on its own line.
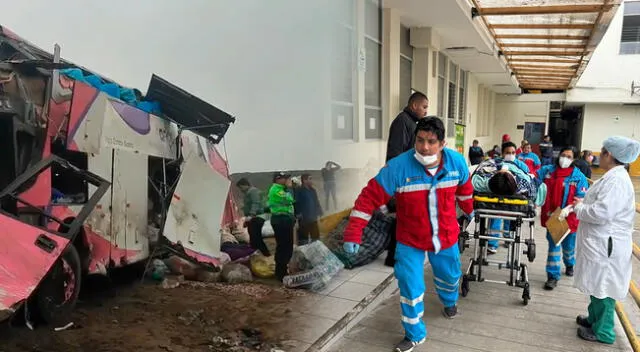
(349,184)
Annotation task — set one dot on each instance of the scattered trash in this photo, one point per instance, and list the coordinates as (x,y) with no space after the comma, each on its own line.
(234,273)
(172,281)
(158,270)
(180,266)
(312,266)
(263,267)
(62,328)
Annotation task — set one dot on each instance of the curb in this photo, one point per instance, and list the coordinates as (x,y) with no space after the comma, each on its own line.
(383,291)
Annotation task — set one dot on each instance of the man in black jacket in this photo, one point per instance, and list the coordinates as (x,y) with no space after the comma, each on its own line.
(402,138)
(476,154)
(402,130)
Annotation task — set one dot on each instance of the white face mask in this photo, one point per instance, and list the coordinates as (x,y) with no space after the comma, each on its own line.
(510,157)
(564,162)
(426,160)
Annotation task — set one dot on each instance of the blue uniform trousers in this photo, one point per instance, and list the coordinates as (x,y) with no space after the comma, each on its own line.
(495,225)
(565,251)
(409,271)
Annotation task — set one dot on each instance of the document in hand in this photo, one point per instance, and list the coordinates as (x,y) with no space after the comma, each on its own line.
(559,229)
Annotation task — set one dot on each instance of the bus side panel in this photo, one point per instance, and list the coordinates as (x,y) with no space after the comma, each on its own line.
(98,224)
(196,209)
(130,199)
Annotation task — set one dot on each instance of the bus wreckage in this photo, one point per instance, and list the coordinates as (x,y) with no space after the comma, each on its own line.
(88,167)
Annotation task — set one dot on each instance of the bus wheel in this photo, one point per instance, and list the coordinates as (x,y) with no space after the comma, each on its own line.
(57,294)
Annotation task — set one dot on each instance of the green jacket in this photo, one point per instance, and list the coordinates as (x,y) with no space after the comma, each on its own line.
(253,202)
(280,200)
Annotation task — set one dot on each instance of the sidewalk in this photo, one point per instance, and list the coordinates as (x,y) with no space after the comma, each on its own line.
(323,317)
(492,317)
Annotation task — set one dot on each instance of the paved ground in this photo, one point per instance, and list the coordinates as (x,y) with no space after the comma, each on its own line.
(492,318)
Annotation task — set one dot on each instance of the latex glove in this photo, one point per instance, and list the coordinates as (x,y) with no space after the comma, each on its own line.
(565,212)
(471,216)
(350,247)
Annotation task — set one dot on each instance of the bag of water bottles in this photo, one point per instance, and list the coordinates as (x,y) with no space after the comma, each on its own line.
(312,266)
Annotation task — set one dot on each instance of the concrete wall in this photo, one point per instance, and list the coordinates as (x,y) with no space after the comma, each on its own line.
(514,110)
(604,120)
(603,83)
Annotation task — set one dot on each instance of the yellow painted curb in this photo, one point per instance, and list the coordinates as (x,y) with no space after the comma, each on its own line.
(635,292)
(628,329)
(636,251)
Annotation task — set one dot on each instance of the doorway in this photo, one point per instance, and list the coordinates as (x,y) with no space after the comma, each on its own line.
(565,127)
(533,133)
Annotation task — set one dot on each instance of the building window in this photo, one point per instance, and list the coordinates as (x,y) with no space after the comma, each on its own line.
(462,97)
(630,37)
(373,74)
(342,76)
(442,74)
(406,66)
(452,108)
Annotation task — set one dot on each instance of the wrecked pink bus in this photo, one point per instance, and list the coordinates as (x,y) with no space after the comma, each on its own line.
(90,169)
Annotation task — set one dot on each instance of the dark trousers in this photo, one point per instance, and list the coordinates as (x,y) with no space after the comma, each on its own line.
(283,231)
(308,231)
(255,235)
(391,248)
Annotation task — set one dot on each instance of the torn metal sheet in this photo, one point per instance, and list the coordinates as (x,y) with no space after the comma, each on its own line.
(23,264)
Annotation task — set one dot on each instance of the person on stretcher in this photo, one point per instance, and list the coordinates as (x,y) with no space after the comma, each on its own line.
(506,178)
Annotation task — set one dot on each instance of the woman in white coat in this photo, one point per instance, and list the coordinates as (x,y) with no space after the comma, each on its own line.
(603,242)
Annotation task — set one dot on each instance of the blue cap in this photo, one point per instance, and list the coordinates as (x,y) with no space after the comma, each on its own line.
(625,150)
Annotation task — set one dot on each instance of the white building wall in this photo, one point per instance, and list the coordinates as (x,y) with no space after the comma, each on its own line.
(608,76)
(604,120)
(514,110)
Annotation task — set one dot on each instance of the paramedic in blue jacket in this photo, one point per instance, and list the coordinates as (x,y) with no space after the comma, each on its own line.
(426,182)
(565,184)
(497,227)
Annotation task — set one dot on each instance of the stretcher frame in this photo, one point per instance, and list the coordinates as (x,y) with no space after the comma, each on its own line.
(516,243)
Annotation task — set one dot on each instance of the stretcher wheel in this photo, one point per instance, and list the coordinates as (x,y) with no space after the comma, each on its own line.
(531,251)
(461,243)
(465,286)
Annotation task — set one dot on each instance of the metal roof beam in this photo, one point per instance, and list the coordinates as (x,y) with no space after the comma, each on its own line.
(540,10)
(543,53)
(541,26)
(542,36)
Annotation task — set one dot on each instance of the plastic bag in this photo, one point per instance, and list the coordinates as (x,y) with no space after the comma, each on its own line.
(263,267)
(312,266)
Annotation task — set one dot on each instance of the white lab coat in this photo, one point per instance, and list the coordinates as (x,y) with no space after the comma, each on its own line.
(607,211)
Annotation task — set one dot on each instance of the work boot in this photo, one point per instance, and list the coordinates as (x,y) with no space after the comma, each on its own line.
(569,271)
(450,312)
(407,345)
(583,321)
(550,284)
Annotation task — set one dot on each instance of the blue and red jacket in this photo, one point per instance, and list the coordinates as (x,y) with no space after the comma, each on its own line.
(425,204)
(563,186)
(531,160)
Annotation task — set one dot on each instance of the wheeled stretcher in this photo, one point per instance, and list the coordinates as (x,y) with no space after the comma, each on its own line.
(520,212)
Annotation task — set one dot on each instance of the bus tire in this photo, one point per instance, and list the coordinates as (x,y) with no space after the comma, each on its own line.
(58,292)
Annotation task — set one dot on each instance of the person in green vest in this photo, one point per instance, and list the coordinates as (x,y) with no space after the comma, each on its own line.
(254,209)
(280,202)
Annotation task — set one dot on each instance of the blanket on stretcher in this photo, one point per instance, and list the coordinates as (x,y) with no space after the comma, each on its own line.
(527,185)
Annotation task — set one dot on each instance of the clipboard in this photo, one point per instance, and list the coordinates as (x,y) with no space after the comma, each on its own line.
(558,229)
